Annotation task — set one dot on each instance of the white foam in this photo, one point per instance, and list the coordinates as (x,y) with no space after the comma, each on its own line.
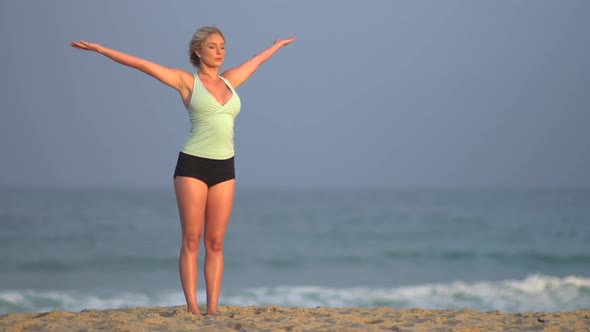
(534,293)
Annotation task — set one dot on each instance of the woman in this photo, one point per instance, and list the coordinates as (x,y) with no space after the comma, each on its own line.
(204,179)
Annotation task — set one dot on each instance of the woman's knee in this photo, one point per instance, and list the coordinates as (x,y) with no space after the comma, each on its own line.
(191,242)
(214,245)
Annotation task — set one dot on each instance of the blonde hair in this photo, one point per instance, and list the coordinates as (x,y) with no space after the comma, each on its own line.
(197,41)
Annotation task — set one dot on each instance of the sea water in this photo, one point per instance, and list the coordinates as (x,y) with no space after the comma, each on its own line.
(487,249)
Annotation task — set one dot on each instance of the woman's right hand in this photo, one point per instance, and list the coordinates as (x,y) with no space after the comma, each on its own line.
(84,45)
(178,79)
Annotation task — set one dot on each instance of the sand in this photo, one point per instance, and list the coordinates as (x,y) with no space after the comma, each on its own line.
(275,318)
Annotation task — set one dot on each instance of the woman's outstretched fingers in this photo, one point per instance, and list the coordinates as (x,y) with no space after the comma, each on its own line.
(78,44)
(284,42)
(84,45)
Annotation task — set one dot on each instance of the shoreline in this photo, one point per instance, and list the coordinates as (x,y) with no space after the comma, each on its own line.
(280,318)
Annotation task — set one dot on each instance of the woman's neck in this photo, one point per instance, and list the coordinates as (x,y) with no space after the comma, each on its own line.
(212,73)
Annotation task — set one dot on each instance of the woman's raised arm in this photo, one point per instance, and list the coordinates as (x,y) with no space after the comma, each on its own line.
(175,78)
(238,75)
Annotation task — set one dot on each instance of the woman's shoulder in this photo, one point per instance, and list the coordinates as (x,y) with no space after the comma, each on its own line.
(187,78)
(227,81)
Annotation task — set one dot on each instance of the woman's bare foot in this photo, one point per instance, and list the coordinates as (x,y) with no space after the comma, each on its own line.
(194,311)
(215,313)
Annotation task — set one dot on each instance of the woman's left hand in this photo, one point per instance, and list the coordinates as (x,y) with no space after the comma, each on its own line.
(284,42)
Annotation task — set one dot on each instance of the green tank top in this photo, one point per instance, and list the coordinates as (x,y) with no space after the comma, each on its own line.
(212,124)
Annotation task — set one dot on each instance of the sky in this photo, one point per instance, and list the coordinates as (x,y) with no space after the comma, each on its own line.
(371,94)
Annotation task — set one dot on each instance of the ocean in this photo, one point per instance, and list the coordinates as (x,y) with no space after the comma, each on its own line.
(486,249)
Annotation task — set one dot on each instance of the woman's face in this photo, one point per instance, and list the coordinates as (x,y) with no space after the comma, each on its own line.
(212,51)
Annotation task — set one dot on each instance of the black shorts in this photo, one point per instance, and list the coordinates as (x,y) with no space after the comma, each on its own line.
(210,171)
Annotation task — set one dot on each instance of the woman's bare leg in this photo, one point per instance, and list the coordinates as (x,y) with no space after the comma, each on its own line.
(191,196)
(218,211)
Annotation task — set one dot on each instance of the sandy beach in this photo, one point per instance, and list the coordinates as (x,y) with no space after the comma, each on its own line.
(275,318)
